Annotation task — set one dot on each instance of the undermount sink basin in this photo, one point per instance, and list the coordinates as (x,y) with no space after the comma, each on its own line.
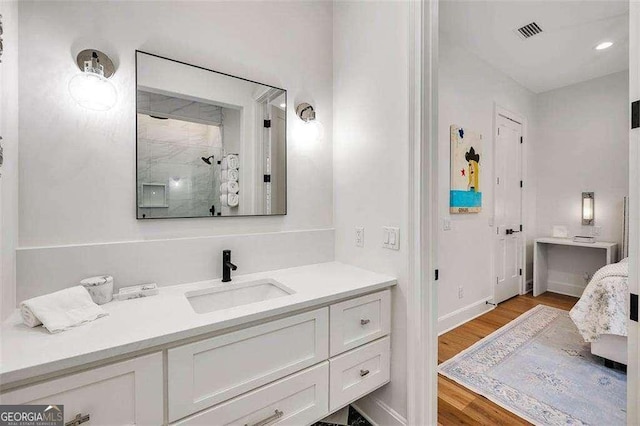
(233,294)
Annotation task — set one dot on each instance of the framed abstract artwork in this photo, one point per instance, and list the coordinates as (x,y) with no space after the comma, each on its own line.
(466,163)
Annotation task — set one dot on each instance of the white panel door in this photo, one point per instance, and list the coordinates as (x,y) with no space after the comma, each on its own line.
(508,209)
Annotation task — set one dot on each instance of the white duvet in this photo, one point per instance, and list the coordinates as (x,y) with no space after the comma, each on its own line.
(602,309)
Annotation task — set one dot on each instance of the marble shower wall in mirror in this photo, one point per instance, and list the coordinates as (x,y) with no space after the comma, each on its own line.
(208,144)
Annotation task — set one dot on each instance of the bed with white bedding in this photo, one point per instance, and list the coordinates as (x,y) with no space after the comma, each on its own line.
(601,312)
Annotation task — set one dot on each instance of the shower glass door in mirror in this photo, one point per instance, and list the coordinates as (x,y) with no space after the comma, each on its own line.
(208,144)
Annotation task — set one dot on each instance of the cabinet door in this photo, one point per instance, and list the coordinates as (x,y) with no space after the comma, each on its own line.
(214,370)
(299,399)
(358,321)
(126,393)
(354,374)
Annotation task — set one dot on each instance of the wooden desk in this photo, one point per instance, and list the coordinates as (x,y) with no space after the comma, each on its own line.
(541,262)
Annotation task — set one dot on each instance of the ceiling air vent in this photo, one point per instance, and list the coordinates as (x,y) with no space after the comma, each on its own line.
(529,30)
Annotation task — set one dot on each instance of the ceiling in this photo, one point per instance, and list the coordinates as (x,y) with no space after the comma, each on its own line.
(561,55)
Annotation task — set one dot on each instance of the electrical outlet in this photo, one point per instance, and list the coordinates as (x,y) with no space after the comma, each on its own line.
(596,230)
(460,292)
(359,236)
(391,238)
(446,224)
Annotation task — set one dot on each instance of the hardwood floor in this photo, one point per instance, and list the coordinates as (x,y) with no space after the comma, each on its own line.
(456,404)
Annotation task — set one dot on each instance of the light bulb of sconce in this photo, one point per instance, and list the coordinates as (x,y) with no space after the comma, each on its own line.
(310,131)
(93,91)
(587,209)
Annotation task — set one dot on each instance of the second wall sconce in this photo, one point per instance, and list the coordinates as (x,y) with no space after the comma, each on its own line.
(92,88)
(588,208)
(311,130)
(306,112)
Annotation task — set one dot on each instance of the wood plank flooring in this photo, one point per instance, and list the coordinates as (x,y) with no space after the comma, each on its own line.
(456,404)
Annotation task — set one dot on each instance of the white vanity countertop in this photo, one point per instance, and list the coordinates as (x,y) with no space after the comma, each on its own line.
(137,324)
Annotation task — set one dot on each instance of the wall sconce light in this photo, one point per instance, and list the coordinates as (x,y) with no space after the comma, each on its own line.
(588,208)
(311,129)
(305,112)
(91,88)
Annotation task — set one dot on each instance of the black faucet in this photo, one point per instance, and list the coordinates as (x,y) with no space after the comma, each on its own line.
(227,266)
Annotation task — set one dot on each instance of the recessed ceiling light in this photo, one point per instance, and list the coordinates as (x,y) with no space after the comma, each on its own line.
(604,45)
(283,105)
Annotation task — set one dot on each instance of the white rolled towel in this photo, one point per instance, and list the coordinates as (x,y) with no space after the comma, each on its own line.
(61,310)
(232,175)
(233,161)
(28,317)
(224,175)
(230,187)
(224,200)
(233,200)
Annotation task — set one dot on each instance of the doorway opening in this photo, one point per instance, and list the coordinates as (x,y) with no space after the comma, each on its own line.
(537,110)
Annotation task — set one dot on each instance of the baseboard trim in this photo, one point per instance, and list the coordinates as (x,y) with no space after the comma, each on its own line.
(378,413)
(456,318)
(565,288)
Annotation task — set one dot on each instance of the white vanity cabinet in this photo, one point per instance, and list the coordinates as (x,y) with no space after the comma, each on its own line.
(125,393)
(293,370)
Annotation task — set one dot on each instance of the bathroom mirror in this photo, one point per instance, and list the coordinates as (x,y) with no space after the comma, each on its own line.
(208,143)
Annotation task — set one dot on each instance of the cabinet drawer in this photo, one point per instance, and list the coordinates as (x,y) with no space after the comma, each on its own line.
(296,400)
(125,393)
(356,373)
(359,321)
(209,372)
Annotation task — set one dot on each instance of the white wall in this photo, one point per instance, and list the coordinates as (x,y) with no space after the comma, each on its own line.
(583,146)
(77,166)
(469,88)
(370,47)
(9,133)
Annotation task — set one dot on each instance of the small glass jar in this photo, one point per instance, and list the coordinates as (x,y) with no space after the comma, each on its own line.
(100,288)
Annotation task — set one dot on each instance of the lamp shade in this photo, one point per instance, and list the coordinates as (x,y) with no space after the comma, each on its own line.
(93,91)
(588,208)
(310,132)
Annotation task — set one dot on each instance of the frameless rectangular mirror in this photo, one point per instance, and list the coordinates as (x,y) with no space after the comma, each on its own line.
(208,144)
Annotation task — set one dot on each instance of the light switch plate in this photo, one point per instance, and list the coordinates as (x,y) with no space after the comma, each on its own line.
(391,238)
(446,224)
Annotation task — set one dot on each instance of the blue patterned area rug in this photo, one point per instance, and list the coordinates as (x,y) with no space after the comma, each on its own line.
(539,368)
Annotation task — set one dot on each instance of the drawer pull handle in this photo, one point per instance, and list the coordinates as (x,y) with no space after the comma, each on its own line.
(364,373)
(364,321)
(269,419)
(78,419)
